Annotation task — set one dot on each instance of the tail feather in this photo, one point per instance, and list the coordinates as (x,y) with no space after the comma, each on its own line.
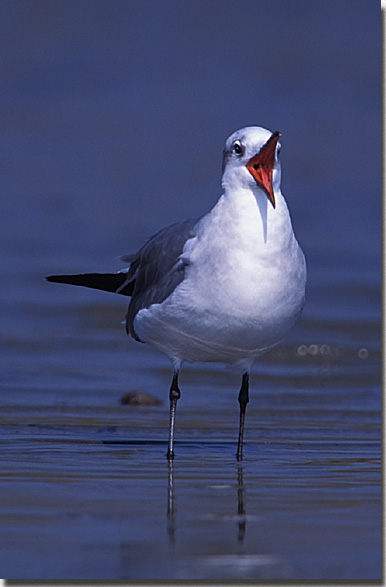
(114,282)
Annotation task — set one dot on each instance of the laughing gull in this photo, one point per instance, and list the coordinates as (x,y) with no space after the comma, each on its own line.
(225,287)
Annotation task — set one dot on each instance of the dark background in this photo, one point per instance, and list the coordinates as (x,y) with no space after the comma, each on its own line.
(114,115)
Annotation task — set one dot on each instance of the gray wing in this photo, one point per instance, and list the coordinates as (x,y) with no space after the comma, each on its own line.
(157,268)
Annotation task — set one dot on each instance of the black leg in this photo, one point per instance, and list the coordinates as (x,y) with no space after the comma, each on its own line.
(174,397)
(243,400)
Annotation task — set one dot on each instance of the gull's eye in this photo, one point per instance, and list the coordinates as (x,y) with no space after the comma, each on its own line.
(278,150)
(238,148)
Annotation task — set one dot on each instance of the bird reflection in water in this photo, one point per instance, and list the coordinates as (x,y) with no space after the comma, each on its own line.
(240,505)
(171,512)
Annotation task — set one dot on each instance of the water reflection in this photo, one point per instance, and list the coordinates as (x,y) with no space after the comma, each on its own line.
(240,505)
(171,511)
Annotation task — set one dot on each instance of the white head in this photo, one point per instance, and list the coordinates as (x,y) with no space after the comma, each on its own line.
(251,161)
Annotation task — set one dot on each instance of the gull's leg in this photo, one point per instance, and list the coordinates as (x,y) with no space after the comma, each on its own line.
(174,395)
(243,400)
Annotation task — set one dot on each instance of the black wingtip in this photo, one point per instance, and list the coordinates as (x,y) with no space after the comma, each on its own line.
(56,278)
(112,282)
(70,279)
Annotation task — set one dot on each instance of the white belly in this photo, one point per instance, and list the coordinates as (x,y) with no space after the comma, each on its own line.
(214,317)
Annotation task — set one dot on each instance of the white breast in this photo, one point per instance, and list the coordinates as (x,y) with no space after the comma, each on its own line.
(243,287)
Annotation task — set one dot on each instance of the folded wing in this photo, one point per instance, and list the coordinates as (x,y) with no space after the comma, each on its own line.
(154,273)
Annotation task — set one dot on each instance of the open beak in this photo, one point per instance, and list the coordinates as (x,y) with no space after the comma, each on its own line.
(260,166)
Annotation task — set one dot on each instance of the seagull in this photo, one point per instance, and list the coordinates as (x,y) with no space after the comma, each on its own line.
(225,287)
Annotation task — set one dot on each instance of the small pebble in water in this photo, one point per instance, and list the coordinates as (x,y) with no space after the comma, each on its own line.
(136,398)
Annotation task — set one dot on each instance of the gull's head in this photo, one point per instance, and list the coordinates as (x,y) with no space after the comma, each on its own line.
(251,161)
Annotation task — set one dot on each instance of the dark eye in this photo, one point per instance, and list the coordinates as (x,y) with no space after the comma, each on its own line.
(278,150)
(238,148)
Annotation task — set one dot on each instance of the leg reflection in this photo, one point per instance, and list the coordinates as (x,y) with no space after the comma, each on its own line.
(170,510)
(240,505)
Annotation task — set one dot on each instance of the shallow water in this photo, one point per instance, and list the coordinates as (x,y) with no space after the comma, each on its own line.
(86,490)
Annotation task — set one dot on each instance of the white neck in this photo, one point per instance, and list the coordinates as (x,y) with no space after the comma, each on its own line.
(249,212)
